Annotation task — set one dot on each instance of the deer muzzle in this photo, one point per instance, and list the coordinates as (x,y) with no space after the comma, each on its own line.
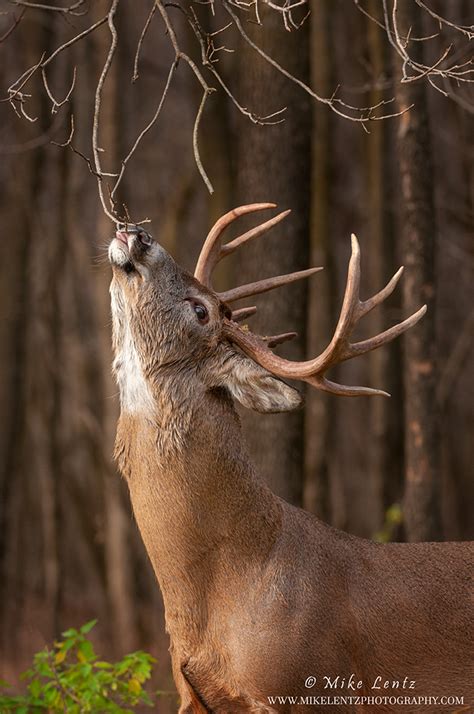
(122,236)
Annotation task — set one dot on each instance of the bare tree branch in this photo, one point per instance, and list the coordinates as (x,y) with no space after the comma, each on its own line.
(207,90)
(16,21)
(467,30)
(71,10)
(140,42)
(57,103)
(460,73)
(75,39)
(363,115)
(208,50)
(448,71)
(97,107)
(68,143)
(286,10)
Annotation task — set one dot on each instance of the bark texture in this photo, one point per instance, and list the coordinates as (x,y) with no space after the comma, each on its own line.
(418,239)
(273,163)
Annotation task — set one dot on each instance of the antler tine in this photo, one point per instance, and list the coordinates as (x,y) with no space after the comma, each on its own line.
(360,348)
(243,313)
(349,310)
(263,286)
(343,390)
(340,348)
(275,340)
(259,230)
(212,250)
(379,297)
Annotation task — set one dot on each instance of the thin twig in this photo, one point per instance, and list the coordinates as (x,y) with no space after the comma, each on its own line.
(197,156)
(16,22)
(55,102)
(68,143)
(140,42)
(97,107)
(53,8)
(73,40)
(386,28)
(145,130)
(40,140)
(14,90)
(467,30)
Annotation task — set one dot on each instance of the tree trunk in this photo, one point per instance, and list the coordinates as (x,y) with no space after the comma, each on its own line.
(319,412)
(385,449)
(272,163)
(421,501)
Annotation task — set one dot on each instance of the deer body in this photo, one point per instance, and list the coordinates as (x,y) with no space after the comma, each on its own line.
(260,595)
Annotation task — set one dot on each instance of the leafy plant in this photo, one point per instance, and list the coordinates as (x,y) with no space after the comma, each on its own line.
(71,678)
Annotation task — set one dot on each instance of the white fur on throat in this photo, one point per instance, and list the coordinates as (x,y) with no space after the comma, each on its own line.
(135,393)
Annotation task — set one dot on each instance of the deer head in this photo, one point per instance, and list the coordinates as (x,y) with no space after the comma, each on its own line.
(175,328)
(175,325)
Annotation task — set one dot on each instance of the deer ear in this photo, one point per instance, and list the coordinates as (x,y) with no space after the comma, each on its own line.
(257,389)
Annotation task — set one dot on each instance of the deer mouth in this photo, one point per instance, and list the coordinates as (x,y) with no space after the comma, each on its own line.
(119,249)
(122,237)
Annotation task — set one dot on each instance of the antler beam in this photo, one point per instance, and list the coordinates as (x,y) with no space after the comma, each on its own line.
(340,348)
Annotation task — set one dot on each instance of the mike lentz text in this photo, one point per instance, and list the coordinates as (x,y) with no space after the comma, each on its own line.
(352,684)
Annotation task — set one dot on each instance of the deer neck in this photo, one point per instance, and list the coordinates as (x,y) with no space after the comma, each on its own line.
(203,515)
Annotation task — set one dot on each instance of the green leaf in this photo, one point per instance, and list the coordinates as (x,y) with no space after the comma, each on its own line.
(68,644)
(88,627)
(60,656)
(35,688)
(134,686)
(103,665)
(70,633)
(85,649)
(51,696)
(44,669)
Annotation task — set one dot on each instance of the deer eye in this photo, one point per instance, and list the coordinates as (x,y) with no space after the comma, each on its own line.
(201,312)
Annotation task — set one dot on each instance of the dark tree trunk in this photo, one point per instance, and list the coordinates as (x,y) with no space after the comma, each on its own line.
(319,411)
(418,234)
(272,163)
(385,447)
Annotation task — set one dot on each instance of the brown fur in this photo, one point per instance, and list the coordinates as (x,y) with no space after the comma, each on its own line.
(259,595)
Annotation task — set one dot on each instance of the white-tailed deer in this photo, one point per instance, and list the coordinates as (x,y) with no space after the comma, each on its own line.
(260,595)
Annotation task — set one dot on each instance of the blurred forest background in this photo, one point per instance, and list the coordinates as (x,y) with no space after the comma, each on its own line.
(69,547)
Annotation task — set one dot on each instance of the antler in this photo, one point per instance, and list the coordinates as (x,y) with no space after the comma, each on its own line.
(353,309)
(340,348)
(213,251)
